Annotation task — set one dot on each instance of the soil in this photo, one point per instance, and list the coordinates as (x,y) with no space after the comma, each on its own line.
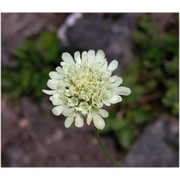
(33,137)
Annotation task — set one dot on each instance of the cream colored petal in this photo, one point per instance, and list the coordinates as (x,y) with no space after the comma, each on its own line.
(56,101)
(64,64)
(105,65)
(115,99)
(124,91)
(58,110)
(108,74)
(79,121)
(84,56)
(118,82)
(89,118)
(67,58)
(100,105)
(69,112)
(113,79)
(79,60)
(54,75)
(101,64)
(91,55)
(98,121)
(106,103)
(116,90)
(76,55)
(49,92)
(113,65)
(52,84)
(68,122)
(55,95)
(100,56)
(103,113)
(60,70)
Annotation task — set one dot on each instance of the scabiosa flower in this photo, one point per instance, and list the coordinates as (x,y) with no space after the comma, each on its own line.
(81,86)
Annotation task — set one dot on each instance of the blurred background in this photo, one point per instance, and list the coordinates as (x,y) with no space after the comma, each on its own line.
(141,131)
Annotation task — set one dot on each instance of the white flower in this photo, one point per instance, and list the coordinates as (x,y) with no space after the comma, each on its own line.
(82,85)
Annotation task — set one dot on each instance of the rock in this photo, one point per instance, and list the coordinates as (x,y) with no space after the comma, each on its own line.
(24,123)
(15,153)
(18,26)
(32,112)
(111,33)
(57,136)
(157,146)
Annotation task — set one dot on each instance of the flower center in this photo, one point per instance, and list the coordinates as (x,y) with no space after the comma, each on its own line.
(84,83)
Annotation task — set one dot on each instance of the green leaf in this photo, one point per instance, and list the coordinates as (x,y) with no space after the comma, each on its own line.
(171,66)
(138,116)
(25,77)
(49,46)
(171,99)
(20,54)
(34,60)
(170,43)
(126,137)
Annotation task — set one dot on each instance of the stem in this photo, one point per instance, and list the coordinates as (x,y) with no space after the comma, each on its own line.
(108,154)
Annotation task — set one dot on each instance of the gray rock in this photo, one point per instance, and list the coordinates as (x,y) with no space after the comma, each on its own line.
(157,146)
(18,26)
(15,154)
(109,32)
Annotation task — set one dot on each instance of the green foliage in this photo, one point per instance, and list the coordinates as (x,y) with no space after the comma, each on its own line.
(127,128)
(34,60)
(153,79)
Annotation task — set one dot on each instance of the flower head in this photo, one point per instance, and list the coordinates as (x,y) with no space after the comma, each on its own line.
(82,85)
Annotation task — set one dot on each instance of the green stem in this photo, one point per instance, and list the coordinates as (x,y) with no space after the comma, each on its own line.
(108,154)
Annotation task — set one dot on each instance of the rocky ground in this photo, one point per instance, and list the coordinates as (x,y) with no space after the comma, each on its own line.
(33,137)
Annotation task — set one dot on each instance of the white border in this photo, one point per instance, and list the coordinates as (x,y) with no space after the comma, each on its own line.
(89,6)
(90,173)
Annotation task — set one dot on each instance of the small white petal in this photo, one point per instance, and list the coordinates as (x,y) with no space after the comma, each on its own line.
(115,99)
(105,65)
(106,103)
(78,60)
(91,55)
(99,105)
(113,65)
(103,113)
(54,75)
(58,110)
(64,64)
(113,79)
(67,58)
(52,84)
(107,74)
(55,95)
(56,101)
(79,121)
(116,90)
(68,122)
(100,56)
(89,118)
(98,121)
(69,112)
(124,91)
(76,55)
(60,70)
(49,92)
(84,56)
(118,82)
